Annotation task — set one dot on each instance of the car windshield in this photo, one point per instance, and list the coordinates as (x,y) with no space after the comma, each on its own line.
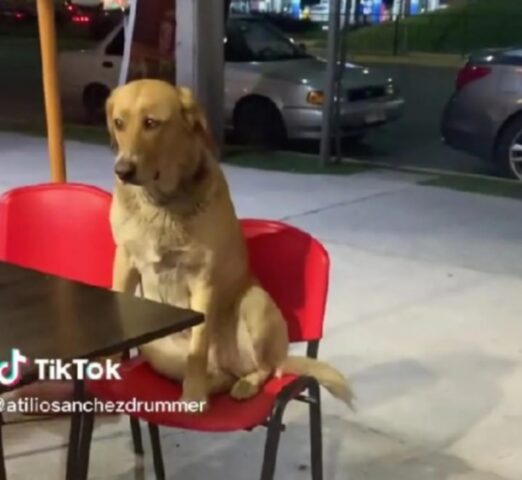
(258,41)
(103,24)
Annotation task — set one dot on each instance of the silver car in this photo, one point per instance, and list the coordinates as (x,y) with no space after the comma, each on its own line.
(484,115)
(273,88)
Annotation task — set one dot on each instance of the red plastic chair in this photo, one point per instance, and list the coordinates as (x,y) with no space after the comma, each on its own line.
(62,230)
(294,268)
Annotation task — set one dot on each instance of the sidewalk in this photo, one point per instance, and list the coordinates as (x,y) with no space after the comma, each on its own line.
(423,315)
(411,58)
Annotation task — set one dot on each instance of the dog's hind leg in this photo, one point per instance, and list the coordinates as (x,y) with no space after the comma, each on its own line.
(250,385)
(220,382)
(168,356)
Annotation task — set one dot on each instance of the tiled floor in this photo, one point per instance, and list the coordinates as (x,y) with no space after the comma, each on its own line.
(424,316)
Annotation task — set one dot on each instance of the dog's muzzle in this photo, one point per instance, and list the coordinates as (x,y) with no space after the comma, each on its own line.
(125,171)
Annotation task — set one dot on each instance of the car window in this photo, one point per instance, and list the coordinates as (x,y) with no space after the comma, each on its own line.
(256,41)
(235,48)
(103,25)
(116,47)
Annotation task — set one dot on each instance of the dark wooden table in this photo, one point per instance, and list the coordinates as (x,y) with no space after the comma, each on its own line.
(53,318)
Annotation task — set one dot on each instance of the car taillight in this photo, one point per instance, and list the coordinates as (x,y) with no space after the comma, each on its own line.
(471,73)
(81,19)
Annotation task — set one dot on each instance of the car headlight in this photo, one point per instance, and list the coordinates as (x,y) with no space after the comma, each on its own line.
(392,88)
(315,97)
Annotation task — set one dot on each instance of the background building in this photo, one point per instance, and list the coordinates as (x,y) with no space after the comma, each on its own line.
(372,11)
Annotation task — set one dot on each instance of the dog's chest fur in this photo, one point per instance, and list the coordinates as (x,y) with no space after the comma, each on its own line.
(160,247)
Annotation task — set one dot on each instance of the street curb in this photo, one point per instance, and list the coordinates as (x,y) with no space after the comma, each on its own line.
(433,171)
(419,59)
(418,170)
(374,165)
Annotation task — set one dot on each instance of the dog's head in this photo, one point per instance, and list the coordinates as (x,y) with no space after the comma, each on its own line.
(160,134)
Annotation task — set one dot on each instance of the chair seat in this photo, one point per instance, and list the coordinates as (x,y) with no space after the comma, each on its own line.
(141,385)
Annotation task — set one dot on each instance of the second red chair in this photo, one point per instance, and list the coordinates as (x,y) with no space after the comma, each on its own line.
(294,268)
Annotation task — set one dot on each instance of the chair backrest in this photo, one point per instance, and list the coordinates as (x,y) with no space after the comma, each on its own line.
(64,230)
(59,229)
(294,268)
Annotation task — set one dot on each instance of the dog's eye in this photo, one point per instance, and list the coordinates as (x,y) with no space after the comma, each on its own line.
(150,123)
(118,123)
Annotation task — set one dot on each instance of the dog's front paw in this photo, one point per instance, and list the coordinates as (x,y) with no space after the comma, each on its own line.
(195,395)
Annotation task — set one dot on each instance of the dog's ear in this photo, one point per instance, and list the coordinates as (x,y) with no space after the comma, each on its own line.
(195,117)
(109,106)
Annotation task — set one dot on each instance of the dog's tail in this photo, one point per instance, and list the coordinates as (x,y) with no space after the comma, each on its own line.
(327,376)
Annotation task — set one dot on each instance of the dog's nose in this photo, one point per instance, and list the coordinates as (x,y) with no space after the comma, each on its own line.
(125,170)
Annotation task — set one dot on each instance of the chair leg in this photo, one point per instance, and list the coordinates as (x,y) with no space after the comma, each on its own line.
(75,432)
(275,427)
(157,456)
(316,434)
(136,436)
(3,475)
(275,424)
(137,443)
(84,446)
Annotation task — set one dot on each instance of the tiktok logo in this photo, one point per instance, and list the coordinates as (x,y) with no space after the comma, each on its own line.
(11,370)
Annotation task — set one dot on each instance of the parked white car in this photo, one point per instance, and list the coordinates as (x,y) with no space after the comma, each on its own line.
(274,89)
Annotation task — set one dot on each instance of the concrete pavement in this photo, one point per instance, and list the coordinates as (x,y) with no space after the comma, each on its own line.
(424,316)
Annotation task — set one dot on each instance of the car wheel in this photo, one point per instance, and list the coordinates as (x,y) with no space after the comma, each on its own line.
(257,121)
(94,98)
(508,152)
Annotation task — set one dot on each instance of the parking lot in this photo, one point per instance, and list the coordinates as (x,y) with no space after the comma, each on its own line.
(414,140)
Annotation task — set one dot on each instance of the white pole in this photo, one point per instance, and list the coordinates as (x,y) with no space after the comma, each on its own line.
(200,63)
(433,4)
(128,26)
(277,5)
(397,8)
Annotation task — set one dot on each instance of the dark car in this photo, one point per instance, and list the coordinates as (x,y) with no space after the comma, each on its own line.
(484,115)
(25,12)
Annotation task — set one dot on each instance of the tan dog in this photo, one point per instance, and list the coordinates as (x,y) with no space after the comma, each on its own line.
(177,232)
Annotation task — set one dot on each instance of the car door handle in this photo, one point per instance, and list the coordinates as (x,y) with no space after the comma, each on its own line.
(108,64)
